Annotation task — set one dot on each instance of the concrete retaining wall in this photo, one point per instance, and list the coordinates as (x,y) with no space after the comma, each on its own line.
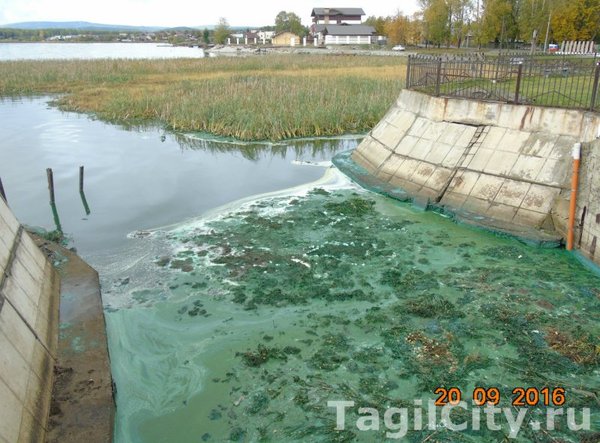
(29,301)
(588,203)
(509,164)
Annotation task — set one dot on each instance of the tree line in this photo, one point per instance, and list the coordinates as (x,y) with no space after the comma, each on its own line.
(497,22)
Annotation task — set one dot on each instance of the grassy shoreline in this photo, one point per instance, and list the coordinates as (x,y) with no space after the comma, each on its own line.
(254,98)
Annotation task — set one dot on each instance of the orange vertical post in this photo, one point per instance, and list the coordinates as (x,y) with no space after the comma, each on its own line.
(573,201)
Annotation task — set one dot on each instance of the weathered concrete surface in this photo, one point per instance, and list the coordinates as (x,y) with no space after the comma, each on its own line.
(29,299)
(587,234)
(82,406)
(507,164)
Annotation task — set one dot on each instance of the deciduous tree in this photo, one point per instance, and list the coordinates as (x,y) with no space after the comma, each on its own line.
(222,31)
(289,21)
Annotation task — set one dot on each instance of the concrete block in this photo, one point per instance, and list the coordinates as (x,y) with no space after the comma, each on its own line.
(529,218)
(493,137)
(20,335)
(426,193)
(4,255)
(383,176)
(539,144)
(476,205)
(374,152)
(487,187)
(463,182)
(555,172)
(19,299)
(466,137)
(527,167)
(362,161)
(390,137)
(391,165)
(514,141)
(501,163)
(511,116)
(452,133)
(591,126)
(408,168)
(560,121)
(11,412)
(402,120)
(7,220)
(512,193)
(540,198)
(7,238)
(438,153)
(562,147)
(31,430)
(422,173)
(406,185)
(419,127)
(501,212)
(42,363)
(453,200)
(39,394)
(421,149)
(434,109)
(33,251)
(47,320)
(13,368)
(471,112)
(391,113)
(480,159)
(435,131)
(406,145)
(22,274)
(453,157)
(438,180)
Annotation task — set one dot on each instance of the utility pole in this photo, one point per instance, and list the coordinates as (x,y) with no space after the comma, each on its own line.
(547,32)
(533,38)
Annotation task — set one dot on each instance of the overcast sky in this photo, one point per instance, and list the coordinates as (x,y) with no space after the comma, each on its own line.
(170,13)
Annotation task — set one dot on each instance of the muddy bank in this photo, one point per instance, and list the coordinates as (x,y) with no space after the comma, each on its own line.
(82,407)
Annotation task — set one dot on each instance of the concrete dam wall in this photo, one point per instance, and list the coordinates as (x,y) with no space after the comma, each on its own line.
(507,167)
(29,303)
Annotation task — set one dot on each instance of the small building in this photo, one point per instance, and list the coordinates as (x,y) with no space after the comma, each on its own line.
(337,16)
(340,26)
(285,39)
(347,35)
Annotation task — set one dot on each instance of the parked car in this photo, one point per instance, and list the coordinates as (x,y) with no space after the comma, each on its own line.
(398,48)
(553,47)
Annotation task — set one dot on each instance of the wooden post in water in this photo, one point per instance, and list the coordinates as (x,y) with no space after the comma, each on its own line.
(2,193)
(50,184)
(81,179)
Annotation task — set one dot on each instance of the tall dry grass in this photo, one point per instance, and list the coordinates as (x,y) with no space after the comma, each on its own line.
(253,98)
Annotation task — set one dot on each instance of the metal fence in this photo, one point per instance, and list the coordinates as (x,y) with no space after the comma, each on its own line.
(513,78)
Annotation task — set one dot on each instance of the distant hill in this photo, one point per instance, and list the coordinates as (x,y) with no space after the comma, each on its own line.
(87,26)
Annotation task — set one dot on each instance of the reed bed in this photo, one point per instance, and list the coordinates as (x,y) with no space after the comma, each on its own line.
(254,98)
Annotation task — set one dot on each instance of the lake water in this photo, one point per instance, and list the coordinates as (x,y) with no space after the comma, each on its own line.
(47,51)
(134,180)
(233,316)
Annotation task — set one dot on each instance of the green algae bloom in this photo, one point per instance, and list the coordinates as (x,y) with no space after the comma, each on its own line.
(287,303)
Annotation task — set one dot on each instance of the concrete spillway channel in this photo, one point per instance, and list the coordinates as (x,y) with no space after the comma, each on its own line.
(503,166)
(55,380)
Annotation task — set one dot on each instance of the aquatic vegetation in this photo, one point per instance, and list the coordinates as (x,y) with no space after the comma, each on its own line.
(340,294)
(255,98)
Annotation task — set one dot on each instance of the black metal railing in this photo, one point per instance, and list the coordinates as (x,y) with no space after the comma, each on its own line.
(513,78)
